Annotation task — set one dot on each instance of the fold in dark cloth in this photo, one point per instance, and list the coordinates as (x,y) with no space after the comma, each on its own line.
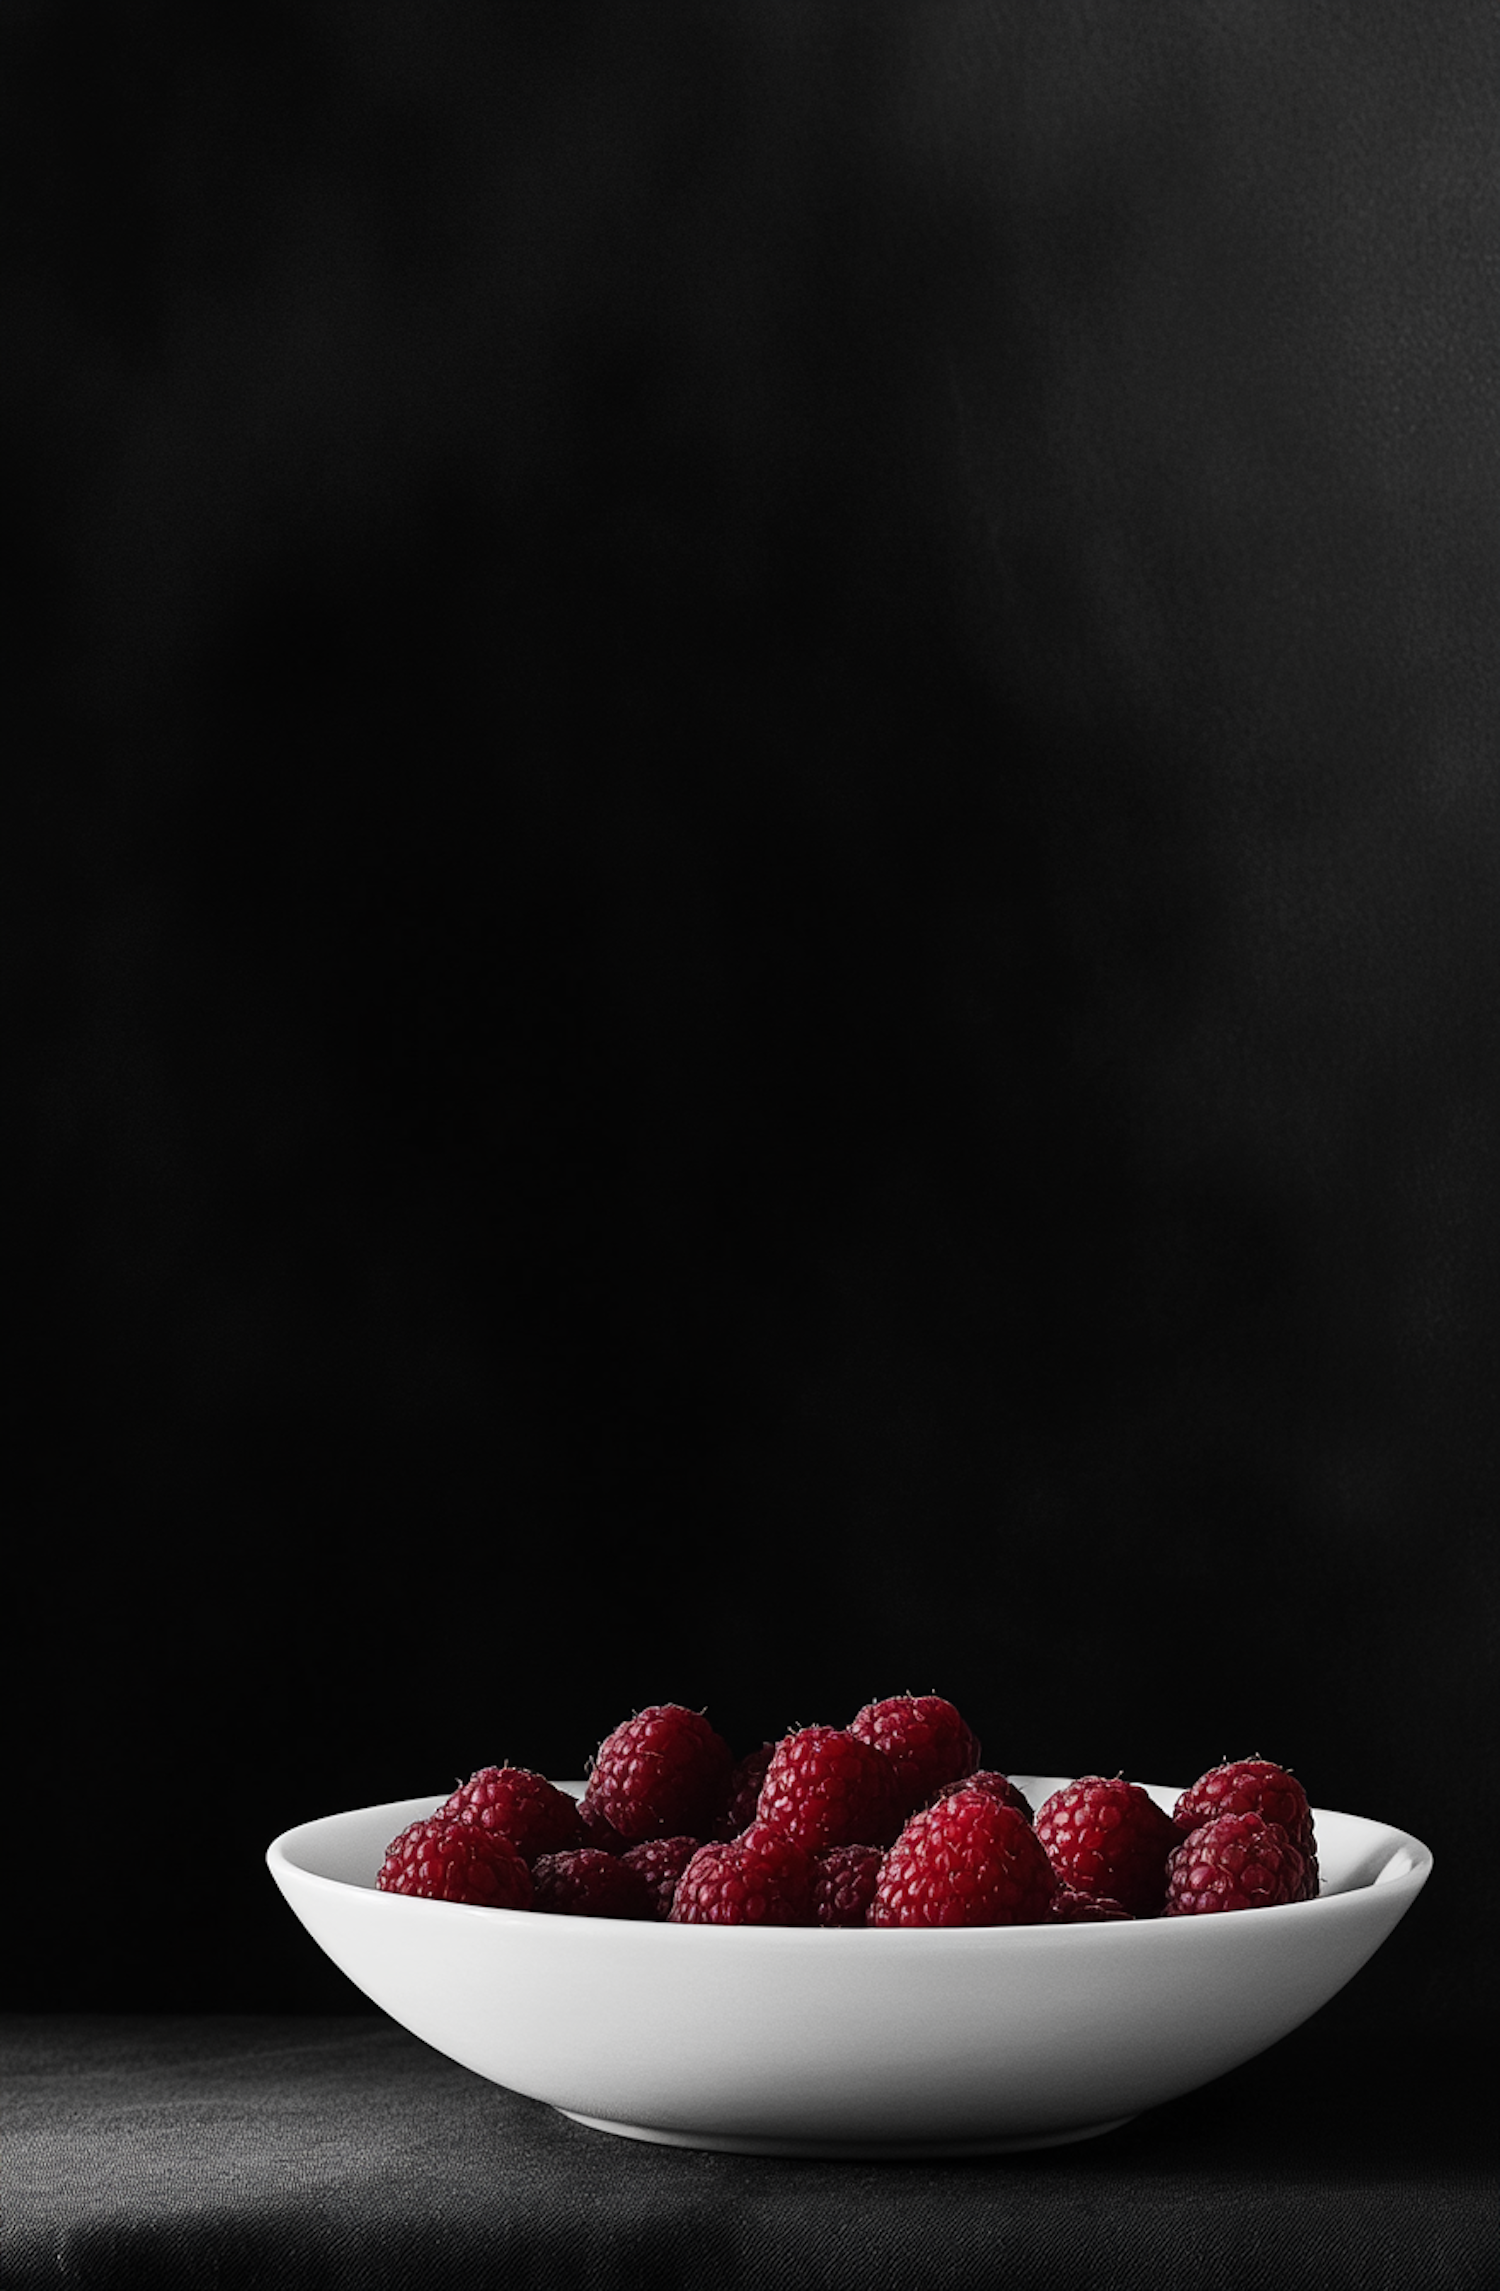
(339,2151)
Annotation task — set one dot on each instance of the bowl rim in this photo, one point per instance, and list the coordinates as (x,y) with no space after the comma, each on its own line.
(1393,1882)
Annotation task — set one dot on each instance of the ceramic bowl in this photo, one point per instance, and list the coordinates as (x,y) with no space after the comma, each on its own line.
(870,2043)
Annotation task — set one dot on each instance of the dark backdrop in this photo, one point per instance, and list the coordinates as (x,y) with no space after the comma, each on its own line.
(753,938)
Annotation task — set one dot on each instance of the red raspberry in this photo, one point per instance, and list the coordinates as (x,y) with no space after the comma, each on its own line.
(760,1878)
(1107,1837)
(446,1860)
(1236,1862)
(661,1862)
(597,1832)
(925,1739)
(532,1812)
(1254,1786)
(824,1787)
(1069,1908)
(994,1785)
(587,1883)
(967,1861)
(660,1774)
(744,1791)
(844,1881)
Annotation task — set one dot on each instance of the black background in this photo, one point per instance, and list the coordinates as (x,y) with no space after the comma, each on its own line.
(752,937)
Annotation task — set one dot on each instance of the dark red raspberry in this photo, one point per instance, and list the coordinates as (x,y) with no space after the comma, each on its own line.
(662,1773)
(597,1832)
(744,1791)
(586,1883)
(994,1785)
(532,1812)
(924,1737)
(446,1860)
(1254,1786)
(824,1787)
(1069,1908)
(1236,1862)
(844,1884)
(966,1861)
(1107,1836)
(661,1861)
(759,1878)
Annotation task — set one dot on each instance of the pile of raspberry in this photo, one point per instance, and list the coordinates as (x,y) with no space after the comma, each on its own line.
(890,1820)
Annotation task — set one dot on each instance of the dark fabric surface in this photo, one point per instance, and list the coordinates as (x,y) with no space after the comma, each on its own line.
(338,2151)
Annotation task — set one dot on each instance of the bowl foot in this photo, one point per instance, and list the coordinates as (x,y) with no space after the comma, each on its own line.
(866,2151)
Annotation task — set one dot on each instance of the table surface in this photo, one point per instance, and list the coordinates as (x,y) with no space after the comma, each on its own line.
(338,2150)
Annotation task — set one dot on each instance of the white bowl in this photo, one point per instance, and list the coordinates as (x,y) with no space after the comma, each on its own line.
(869,2043)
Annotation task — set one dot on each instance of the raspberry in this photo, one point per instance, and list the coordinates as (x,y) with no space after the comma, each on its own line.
(661,1861)
(1107,1837)
(532,1812)
(744,1790)
(662,1773)
(824,1787)
(994,1785)
(966,1861)
(1238,1861)
(1069,1908)
(1254,1786)
(925,1739)
(597,1832)
(446,1860)
(760,1878)
(844,1884)
(588,1883)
